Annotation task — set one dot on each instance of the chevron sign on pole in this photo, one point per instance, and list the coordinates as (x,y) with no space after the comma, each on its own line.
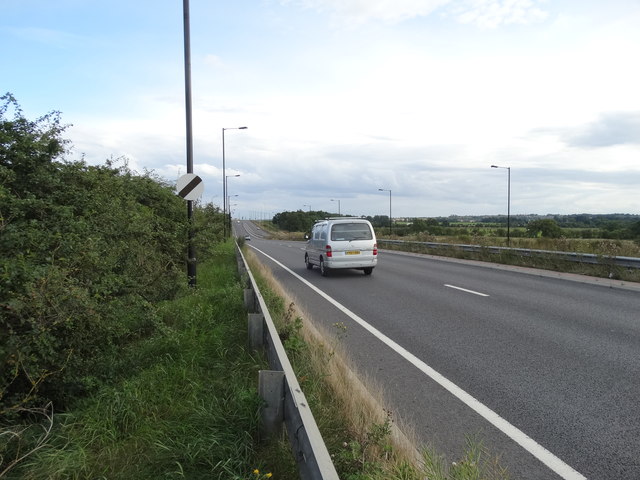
(190,186)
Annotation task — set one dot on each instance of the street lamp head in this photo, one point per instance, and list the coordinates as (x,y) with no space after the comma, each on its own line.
(494,166)
(242,128)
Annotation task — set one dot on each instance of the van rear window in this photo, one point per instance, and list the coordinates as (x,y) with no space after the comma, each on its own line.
(351,231)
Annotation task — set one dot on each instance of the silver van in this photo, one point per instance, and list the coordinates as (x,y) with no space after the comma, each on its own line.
(342,243)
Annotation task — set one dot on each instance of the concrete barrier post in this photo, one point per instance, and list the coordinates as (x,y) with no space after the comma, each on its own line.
(256,331)
(271,390)
(249,300)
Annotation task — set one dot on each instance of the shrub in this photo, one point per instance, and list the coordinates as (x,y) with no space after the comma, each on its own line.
(85,251)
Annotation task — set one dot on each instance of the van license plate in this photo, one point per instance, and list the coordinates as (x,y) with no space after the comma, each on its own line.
(353,252)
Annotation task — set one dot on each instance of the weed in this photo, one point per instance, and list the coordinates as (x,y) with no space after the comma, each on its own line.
(476,463)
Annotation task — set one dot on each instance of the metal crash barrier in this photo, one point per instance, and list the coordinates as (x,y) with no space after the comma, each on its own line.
(285,404)
(628,262)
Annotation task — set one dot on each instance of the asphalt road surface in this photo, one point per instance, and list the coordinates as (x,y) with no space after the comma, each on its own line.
(545,369)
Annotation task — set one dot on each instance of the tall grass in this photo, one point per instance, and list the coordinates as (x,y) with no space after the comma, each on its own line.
(187,406)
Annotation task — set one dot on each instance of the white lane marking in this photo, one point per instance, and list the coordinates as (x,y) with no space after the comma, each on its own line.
(465,290)
(530,445)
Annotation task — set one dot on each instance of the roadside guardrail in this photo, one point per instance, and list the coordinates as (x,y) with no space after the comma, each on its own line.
(628,262)
(279,388)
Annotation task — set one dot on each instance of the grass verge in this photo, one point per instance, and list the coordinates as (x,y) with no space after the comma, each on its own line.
(186,408)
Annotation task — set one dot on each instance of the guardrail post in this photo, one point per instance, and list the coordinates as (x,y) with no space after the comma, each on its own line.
(256,331)
(249,300)
(271,390)
(280,390)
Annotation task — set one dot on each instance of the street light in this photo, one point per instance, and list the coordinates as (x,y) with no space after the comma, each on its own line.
(508,202)
(338,205)
(229,207)
(387,190)
(226,189)
(191,252)
(307,206)
(224,179)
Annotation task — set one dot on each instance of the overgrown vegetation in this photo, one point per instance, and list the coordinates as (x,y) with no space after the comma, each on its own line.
(186,406)
(85,252)
(110,367)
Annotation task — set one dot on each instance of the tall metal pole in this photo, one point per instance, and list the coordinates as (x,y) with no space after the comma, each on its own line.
(228,198)
(338,200)
(509,207)
(224,182)
(224,192)
(191,254)
(390,221)
(508,202)
(390,216)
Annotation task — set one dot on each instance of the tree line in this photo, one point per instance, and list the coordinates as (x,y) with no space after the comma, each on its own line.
(607,226)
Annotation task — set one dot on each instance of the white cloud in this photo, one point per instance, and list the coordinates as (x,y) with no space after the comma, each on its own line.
(214,61)
(493,13)
(483,13)
(361,11)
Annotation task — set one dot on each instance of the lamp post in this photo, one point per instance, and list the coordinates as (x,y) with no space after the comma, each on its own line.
(226,189)
(191,253)
(307,206)
(508,202)
(390,223)
(338,205)
(224,181)
(227,219)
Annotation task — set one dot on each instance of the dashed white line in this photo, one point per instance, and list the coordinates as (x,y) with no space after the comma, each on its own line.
(465,290)
(529,444)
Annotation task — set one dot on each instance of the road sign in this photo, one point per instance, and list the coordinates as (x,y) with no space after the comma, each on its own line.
(190,186)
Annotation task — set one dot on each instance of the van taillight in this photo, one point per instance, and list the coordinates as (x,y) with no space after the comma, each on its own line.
(375,248)
(328,251)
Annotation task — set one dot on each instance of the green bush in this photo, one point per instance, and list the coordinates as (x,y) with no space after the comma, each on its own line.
(85,251)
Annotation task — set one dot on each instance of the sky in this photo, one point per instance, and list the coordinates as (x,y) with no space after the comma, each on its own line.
(342,98)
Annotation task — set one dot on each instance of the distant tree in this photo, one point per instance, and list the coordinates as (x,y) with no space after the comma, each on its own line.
(419,225)
(298,221)
(379,220)
(544,228)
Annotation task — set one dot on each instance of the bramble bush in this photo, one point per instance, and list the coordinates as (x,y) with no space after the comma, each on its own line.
(85,252)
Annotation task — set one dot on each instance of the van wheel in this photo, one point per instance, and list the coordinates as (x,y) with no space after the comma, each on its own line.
(368,270)
(324,271)
(307,262)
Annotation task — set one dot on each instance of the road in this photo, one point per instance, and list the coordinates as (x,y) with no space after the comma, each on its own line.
(546,370)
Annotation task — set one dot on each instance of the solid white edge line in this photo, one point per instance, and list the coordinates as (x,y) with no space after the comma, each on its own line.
(518,436)
(465,290)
